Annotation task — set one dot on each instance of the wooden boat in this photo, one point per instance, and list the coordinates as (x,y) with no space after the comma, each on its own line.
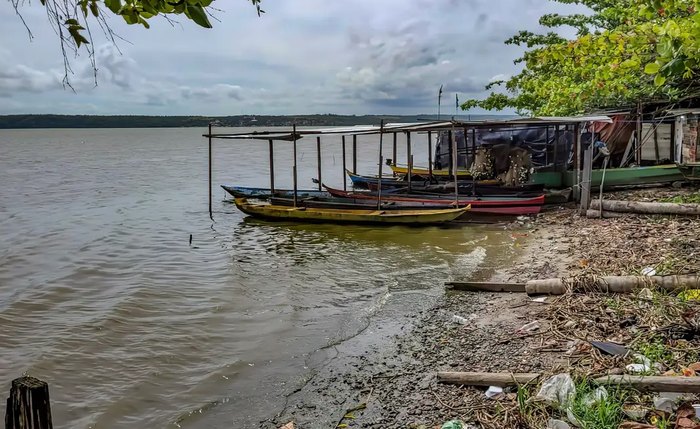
(266,193)
(365,182)
(421,171)
(690,170)
(362,216)
(491,205)
(614,177)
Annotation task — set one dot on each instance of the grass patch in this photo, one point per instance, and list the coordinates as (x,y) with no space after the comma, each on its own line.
(693,198)
(603,413)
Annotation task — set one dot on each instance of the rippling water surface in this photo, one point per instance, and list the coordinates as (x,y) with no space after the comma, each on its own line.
(102,295)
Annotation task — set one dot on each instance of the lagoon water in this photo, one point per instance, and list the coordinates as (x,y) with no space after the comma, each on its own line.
(102,295)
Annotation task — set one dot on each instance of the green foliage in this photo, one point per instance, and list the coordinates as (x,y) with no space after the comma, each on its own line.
(625,51)
(606,412)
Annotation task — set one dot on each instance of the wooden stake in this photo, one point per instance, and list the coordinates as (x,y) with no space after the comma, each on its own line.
(485,378)
(294,166)
(430,156)
(345,180)
(485,286)
(211,215)
(381,163)
(318,161)
(271,150)
(354,154)
(394,152)
(409,159)
(28,405)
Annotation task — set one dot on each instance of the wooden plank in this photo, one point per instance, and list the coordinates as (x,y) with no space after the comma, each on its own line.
(486,286)
(486,378)
(654,383)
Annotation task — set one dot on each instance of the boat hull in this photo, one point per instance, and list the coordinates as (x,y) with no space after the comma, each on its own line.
(614,177)
(690,171)
(354,216)
(461,174)
(266,193)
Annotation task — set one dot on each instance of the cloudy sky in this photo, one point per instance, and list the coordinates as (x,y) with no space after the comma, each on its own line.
(302,56)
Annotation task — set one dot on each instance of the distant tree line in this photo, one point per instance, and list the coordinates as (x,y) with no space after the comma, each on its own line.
(123,121)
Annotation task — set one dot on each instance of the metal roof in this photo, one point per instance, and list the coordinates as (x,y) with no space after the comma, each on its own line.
(412,127)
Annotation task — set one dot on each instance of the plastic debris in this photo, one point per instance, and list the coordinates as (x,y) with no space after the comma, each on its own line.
(494,392)
(696,407)
(610,348)
(557,424)
(600,394)
(289,425)
(648,271)
(529,327)
(667,401)
(635,411)
(461,320)
(539,299)
(645,294)
(557,390)
(454,424)
(643,365)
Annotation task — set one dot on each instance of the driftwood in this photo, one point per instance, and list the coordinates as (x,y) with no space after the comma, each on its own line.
(28,405)
(486,286)
(591,213)
(647,208)
(654,383)
(616,284)
(501,379)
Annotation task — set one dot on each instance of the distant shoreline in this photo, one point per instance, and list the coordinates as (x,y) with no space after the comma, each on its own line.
(144,121)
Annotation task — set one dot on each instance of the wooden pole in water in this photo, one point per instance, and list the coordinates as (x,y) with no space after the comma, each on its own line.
(381,163)
(454,162)
(294,167)
(211,216)
(354,153)
(409,159)
(318,161)
(430,156)
(28,405)
(345,180)
(451,152)
(394,152)
(271,150)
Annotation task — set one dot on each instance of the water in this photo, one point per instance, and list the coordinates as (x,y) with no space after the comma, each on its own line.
(102,295)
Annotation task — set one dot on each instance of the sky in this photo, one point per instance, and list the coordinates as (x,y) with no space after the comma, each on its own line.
(300,57)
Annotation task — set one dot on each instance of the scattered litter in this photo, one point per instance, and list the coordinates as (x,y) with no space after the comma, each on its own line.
(462,320)
(494,392)
(557,424)
(610,348)
(635,411)
(539,299)
(529,327)
(454,424)
(666,401)
(289,425)
(596,396)
(645,294)
(648,271)
(643,365)
(557,390)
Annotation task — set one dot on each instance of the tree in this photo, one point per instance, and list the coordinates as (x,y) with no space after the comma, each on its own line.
(625,51)
(71,19)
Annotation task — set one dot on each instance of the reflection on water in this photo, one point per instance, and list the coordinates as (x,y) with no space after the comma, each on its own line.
(102,295)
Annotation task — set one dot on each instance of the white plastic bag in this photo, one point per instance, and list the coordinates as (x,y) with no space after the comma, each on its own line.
(557,390)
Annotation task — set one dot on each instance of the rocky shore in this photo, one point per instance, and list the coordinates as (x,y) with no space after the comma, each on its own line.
(399,388)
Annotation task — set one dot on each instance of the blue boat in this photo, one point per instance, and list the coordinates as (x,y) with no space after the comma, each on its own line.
(265,193)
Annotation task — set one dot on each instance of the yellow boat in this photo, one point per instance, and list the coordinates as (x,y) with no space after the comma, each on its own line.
(309,214)
(462,174)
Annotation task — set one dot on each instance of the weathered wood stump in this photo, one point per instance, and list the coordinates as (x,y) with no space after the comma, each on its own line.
(28,406)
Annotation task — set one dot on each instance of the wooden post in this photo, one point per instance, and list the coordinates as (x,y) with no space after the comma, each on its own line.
(454,162)
(345,180)
(473,147)
(586,179)
(354,154)
(656,142)
(318,161)
(409,159)
(638,151)
(450,150)
(28,405)
(430,156)
(271,149)
(556,146)
(211,216)
(381,163)
(546,144)
(394,152)
(294,166)
(576,168)
(672,139)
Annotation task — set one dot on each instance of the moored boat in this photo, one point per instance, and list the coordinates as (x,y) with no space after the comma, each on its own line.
(422,171)
(690,171)
(359,216)
(266,193)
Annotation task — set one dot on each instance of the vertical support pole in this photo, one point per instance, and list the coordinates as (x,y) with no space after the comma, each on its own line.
(656,142)
(638,151)
(672,139)
(381,164)
(294,167)
(556,147)
(318,161)
(354,154)
(409,159)
(473,147)
(271,150)
(466,148)
(28,405)
(211,216)
(586,178)
(546,145)
(577,158)
(430,156)
(345,169)
(394,151)
(451,153)
(454,162)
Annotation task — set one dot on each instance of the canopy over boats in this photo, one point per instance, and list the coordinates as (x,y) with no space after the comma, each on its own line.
(357,216)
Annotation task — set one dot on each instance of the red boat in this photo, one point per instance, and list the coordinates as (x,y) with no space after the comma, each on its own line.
(491,205)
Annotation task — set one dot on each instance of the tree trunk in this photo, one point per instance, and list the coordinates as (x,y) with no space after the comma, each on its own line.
(485,378)
(654,383)
(614,284)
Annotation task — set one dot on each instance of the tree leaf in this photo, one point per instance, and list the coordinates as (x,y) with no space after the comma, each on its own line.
(651,68)
(659,80)
(197,14)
